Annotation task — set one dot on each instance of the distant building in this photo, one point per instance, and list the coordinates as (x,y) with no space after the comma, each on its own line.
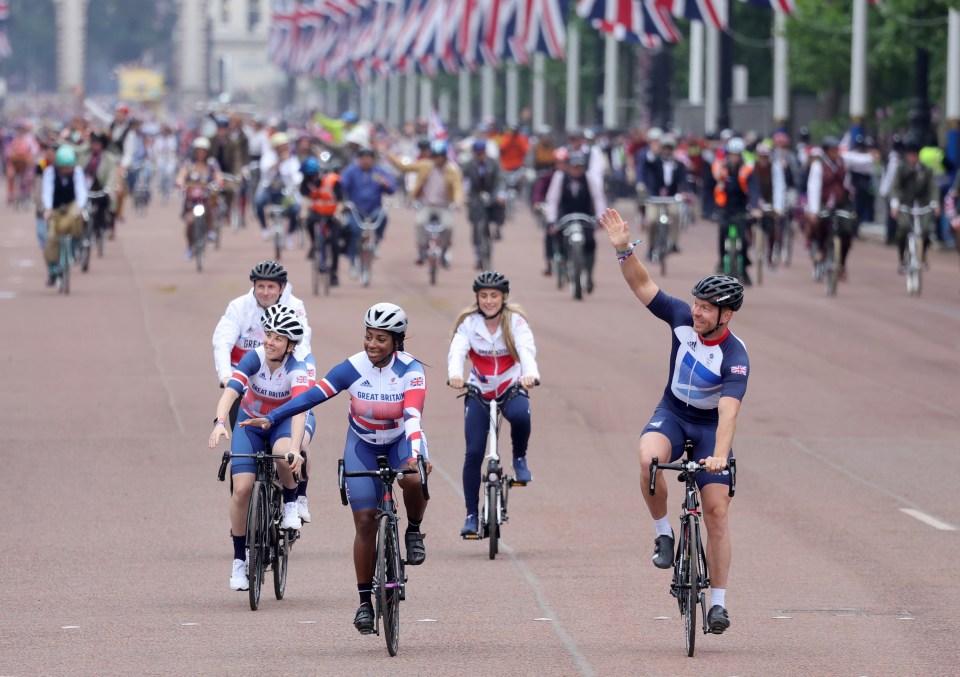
(238,49)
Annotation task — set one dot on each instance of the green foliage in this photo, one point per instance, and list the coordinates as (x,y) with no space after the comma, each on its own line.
(33,64)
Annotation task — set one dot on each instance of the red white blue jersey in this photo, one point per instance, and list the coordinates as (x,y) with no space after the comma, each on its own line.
(493,368)
(701,372)
(384,403)
(240,331)
(264,391)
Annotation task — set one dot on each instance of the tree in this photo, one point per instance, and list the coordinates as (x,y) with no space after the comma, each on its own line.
(32,66)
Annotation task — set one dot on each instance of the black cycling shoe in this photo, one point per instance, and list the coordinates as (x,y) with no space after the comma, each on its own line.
(717,619)
(663,552)
(416,553)
(363,621)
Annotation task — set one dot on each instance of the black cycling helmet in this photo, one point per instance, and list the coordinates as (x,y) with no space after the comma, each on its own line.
(491,279)
(269,270)
(722,291)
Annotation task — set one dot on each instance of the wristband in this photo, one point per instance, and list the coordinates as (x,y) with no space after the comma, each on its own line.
(626,256)
(220,421)
(627,252)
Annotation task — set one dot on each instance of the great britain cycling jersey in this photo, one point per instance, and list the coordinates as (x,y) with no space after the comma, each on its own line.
(701,372)
(239,331)
(264,391)
(385,404)
(494,369)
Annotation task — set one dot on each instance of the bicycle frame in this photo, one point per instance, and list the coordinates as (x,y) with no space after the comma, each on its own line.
(690,574)
(389,587)
(435,230)
(368,239)
(916,248)
(660,244)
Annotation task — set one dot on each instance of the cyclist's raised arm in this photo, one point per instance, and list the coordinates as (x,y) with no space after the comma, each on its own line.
(632,269)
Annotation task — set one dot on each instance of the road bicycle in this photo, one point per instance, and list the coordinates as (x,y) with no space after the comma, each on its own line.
(480,226)
(690,575)
(572,263)
(917,242)
(367,246)
(764,236)
(141,187)
(436,256)
(321,255)
(67,257)
(267,544)
(389,580)
(827,268)
(227,204)
(660,239)
(497,483)
(99,208)
(734,250)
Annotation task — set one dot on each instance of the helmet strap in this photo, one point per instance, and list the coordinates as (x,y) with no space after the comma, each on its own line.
(719,324)
(496,314)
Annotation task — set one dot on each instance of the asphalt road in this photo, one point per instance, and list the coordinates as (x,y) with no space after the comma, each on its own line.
(115,540)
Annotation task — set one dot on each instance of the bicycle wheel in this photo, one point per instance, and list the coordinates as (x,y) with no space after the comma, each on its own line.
(277,244)
(65,246)
(692,587)
(832,265)
(315,270)
(493,522)
(366,261)
(913,266)
(280,562)
(434,264)
(576,272)
(759,248)
(257,544)
(388,588)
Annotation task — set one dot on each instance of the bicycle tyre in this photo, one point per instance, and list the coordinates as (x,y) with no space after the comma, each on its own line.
(576,273)
(832,266)
(280,562)
(85,255)
(99,237)
(759,247)
(388,596)
(315,260)
(258,548)
(913,267)
(65,266)
(365,265)
(692,591)
(434,264)
(493,520)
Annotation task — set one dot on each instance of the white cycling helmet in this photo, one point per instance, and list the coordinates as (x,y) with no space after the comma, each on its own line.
(202,143)
(386,317)
(736,146)
(283,321)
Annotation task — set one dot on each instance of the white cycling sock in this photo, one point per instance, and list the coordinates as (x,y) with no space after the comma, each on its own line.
(718,596)
(662,526)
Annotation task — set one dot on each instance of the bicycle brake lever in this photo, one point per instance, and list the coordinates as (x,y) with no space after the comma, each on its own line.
(222,473)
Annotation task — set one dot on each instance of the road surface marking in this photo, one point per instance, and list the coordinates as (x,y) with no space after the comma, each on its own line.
(426,620)
(306,622)
(543,619)
(569,645)
(928,519)
(779,617)
(8,295)
(69,627)
(661,618)
(189,624)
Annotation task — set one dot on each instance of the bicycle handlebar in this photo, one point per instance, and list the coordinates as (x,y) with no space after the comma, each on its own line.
(384,473)
(918,211)
(288,457)
(473,391)
(691,467)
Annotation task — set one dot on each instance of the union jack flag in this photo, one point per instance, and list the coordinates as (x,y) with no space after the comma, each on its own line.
(713,12)
(648,22)
(740,369)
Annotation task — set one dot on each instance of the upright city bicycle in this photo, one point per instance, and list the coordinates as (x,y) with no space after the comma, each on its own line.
(496,482)
(913,256)
(735,249)
(690,576)
(390,580)
(827,267)
(367,246)
(570,257)
(660,237)
(267,544)
(436,256)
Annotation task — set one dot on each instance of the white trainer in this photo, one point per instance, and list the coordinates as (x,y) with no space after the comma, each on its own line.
(291,517)
(303,509)
(238,579)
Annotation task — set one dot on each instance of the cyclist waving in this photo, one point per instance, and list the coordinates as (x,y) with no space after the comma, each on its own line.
(387,388)
(708,379)
(496,337)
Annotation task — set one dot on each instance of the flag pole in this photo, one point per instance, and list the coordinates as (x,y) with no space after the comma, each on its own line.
(513,93)
(858,68)
(781,71)
(539,91)
(711,107)
(488,91)
(573,77)
(695,84)
(610,80)
(953,87)
(464,101)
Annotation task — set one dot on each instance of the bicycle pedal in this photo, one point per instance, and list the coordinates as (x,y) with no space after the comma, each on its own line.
(470,537)
(515,483)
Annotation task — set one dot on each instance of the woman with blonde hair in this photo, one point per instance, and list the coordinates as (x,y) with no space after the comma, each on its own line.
(495,335)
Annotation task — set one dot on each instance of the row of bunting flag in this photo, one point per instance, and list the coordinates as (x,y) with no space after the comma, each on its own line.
(358,39)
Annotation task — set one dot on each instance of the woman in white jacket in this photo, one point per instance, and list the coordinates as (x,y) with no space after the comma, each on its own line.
(495,335)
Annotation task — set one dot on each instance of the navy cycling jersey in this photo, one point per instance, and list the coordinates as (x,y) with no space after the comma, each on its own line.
(701,372)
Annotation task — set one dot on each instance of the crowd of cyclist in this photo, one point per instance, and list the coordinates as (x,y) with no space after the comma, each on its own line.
(327,179)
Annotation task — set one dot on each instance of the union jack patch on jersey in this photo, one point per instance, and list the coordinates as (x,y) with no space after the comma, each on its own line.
(739,369)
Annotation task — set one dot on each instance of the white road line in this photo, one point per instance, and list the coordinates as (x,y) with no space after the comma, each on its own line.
(565,639)
(8,295)
(928,519)
(69,627)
